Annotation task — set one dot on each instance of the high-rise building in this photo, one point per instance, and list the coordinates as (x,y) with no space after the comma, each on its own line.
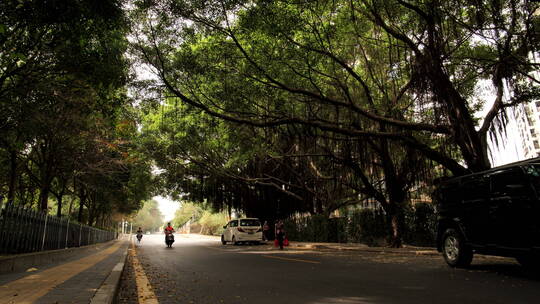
(527,117)
(523,129)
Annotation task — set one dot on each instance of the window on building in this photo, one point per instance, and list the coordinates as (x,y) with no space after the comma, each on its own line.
(536,145)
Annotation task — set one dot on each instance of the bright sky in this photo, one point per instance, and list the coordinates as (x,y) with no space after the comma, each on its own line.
(167,207)
(507,151)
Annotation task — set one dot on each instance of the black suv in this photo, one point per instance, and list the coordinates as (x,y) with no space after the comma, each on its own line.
(494,212)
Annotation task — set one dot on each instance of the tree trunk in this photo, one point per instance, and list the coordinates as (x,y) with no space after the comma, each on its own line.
(91,212)
(395,191)
(60,196)
(46,179)
(79,216)
(82,199)
(90,217)
(12,177)
(71,205)
(44,196)
(395,217)
(99,220)
(59,207)
(472,146)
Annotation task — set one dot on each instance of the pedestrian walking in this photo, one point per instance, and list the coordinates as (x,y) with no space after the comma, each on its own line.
(266,230)
(280,234)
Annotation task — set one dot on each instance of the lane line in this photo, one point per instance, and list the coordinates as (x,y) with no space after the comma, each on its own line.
(33,287)
(290,259)
(145,293)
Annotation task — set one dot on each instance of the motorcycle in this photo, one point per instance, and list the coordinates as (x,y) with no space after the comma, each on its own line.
(169,239)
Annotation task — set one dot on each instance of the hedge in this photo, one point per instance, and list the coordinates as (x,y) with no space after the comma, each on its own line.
(365,226)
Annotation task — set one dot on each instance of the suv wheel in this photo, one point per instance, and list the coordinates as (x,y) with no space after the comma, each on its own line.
(234,240)
(456,252)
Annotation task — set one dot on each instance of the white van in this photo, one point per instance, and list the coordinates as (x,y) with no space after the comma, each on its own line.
(242,230)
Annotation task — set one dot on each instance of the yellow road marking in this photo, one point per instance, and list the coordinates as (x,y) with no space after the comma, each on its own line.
(144,290)
(291,259)
(33,287)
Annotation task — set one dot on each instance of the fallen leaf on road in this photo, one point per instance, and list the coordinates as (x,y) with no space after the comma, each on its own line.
(31,269)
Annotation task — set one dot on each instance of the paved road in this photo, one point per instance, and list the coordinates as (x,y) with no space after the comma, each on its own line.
(201,270)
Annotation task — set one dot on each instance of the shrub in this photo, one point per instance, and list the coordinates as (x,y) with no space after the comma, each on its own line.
(421,224)
(212,223)
(338,230)
(365,226)
(368,226)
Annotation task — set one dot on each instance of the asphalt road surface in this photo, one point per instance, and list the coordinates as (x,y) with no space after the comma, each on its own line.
(201,270)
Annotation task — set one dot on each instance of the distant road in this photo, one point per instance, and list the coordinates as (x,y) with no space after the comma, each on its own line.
(201,270)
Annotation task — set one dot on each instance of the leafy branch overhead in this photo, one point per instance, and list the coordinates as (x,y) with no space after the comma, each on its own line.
(345,67)
(68,137)
(348,100)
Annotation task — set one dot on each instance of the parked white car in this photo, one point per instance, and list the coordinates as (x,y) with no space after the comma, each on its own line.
(242,230)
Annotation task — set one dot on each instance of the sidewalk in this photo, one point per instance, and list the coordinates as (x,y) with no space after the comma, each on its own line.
(343,246)
(88,277)
(362,247)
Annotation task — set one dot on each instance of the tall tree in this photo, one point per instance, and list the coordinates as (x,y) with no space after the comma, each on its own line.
(63,97)
(387,72)
(424,60)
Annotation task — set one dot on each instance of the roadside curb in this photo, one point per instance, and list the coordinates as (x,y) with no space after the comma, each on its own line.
(391,251)
(106,294)
(365,248)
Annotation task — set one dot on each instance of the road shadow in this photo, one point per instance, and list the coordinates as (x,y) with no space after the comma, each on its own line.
(507,269)
(250,244)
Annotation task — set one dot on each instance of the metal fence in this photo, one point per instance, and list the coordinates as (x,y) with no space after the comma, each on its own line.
(25,230)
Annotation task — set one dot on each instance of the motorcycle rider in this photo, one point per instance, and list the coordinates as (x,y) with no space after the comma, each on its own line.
(169,230)
(139,234)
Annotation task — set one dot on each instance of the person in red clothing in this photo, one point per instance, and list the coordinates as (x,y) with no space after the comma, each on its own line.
(280,234)
(169,237)
(169,229)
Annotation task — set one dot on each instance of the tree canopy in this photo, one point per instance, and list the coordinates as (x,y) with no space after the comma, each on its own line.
(149,217)
(346,100)
(272,108)
(68,127)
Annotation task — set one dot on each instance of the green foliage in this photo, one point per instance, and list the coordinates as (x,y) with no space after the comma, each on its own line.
(368,226)
(421,223)
(209,221)
(68,127)
(306,106)
(149,218)
(317,228)
(338,227)
(186,212)
(365,226)
(212,223)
